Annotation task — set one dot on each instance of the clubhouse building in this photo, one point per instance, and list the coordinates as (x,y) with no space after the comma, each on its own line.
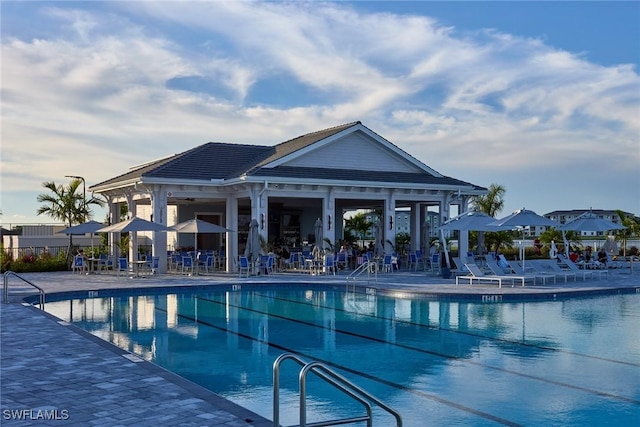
(286,188)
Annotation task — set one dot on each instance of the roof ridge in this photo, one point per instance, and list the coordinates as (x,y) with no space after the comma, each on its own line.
(345,126)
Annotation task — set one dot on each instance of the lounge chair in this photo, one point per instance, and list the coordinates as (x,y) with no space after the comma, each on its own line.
(551,266)
(574,267)
(460,268)
(517,269)
(477,275)
(493,266)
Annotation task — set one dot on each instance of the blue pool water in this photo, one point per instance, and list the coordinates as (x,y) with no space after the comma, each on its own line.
(572,363)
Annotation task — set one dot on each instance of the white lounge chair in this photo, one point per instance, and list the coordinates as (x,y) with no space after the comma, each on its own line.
(477,275)
(551,266)
(517,269)
(499,271)
(572,266)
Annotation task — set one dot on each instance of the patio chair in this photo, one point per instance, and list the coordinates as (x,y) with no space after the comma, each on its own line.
(435,263)
(123,266)
(387,265)
(153,265)
(243,266)
(209,264)
(477,275)
(341,260)
(551,266)
(187,265)
(79,264)
(329,265)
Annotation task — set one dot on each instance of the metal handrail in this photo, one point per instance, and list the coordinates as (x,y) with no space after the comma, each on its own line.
(333,378)
(5,292)
(364,267)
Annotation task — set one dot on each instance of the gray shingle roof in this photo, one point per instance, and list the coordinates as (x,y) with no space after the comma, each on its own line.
(216,161)
(357,175)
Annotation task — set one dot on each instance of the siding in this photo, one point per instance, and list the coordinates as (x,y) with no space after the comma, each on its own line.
(355,151)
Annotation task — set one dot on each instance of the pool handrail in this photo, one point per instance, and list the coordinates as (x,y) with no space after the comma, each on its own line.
(5,289)
(368,267)
(333,378)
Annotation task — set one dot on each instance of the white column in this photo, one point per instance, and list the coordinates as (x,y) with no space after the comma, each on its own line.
(389,221)
(415,226)
(159,212)
(329,216)
(231,247)
(463,241)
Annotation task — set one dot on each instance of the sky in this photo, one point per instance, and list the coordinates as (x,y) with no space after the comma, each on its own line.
(542,98)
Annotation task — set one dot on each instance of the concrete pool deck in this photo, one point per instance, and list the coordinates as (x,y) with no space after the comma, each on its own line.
(53,373)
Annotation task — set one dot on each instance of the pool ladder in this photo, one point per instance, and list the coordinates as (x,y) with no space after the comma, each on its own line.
(366,399)
(5,289)
(368,267)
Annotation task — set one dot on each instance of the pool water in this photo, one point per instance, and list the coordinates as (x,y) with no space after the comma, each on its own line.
(574,362)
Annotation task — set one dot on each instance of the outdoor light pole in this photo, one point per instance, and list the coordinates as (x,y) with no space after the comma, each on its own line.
(84,194)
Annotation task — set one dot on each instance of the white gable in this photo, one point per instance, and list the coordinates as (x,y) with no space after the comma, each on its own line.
(354,151)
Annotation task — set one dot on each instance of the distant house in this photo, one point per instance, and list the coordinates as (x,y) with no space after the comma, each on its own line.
(286,188)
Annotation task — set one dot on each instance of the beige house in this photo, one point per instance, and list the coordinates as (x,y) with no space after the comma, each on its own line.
(286,188)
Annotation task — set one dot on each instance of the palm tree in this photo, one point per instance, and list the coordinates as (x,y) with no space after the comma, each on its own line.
(358,224)
(490,204)
(633,229)
(66,204)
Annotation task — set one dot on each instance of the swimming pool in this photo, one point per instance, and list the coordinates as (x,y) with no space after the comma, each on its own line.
(570,362)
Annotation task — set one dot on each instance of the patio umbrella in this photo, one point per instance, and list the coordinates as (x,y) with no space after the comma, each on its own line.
(84,228)
(521,219)
(319,246)
(610,246)
(378,250)
(588,221)
(470,221)
(426,228)
(252,251)
(196,226)
(553,252)
(132,226)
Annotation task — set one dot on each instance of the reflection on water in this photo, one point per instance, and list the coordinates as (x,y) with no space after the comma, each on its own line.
(455,362)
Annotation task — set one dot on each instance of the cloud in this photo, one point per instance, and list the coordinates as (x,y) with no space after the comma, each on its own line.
(141,80)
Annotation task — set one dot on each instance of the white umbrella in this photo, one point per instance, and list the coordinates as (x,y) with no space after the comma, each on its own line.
(588,221)
(524,218)
(379,247)
(472,221)
(252,251)
(319,246)
(610,246)
(469,221)
(84,228)
(134,225)
(553,252)
(426,228)
(199,226)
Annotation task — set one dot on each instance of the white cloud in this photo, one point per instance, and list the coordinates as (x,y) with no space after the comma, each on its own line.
(94,99)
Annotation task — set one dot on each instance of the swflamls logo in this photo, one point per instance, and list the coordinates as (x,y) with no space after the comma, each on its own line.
(35,414)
